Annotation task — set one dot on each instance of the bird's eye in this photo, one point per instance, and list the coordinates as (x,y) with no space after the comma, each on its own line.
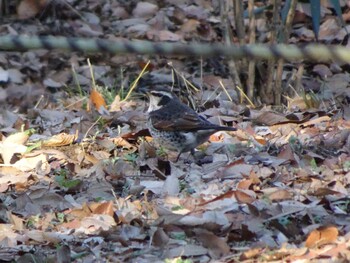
(164,100)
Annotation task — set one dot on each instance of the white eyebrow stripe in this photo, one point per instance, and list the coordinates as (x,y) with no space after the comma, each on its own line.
(161,93)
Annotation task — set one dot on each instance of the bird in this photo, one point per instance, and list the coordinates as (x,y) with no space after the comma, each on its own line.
(175,125)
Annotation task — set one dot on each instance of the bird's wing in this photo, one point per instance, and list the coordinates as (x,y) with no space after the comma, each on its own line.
(188,121)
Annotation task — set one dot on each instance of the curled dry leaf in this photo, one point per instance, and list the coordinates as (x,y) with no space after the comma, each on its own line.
(127,147)
(60,140)
(321,236)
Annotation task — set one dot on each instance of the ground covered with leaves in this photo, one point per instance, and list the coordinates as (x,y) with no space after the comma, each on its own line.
(81,179)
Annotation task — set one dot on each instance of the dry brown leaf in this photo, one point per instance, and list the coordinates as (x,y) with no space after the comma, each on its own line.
(270,118)
(163,35)
(51,237)
(228,194)
(279,195)
(60,140)
(17,222)
(297,102)
(88,158)
(316,121)
(216,137)
(121,142)
(322,235)
(287,153)
(251,253)
(261,140)
(30,8)
(329,29)
(80,213)
(101,155)
(322,191)
(160,238)
(237,170)
(3,187)
(116,104)
(245,197)
(244,184)
(105,208)
(95,223)
(190,26)
(216,245)
(8,236)
(74,224)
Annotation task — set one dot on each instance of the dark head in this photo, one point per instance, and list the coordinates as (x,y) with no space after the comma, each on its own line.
(159,97)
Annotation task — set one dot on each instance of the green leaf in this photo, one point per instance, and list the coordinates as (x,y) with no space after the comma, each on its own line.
(64,182)
(315,7)
(285,10)
(313,164)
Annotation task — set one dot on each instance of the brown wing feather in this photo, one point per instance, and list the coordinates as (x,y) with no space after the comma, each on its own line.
(187,122)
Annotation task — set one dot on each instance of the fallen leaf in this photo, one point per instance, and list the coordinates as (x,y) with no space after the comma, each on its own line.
(321,236)
(218,246)
(30,8)
(144,9)
(60,140)
(105,208)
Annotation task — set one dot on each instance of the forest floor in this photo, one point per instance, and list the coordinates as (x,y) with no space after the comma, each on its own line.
(82,181)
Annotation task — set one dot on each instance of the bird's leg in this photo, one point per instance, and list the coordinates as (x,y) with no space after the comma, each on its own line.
(178,157)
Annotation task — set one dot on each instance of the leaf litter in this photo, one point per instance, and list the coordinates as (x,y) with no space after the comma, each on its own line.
(87,184)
